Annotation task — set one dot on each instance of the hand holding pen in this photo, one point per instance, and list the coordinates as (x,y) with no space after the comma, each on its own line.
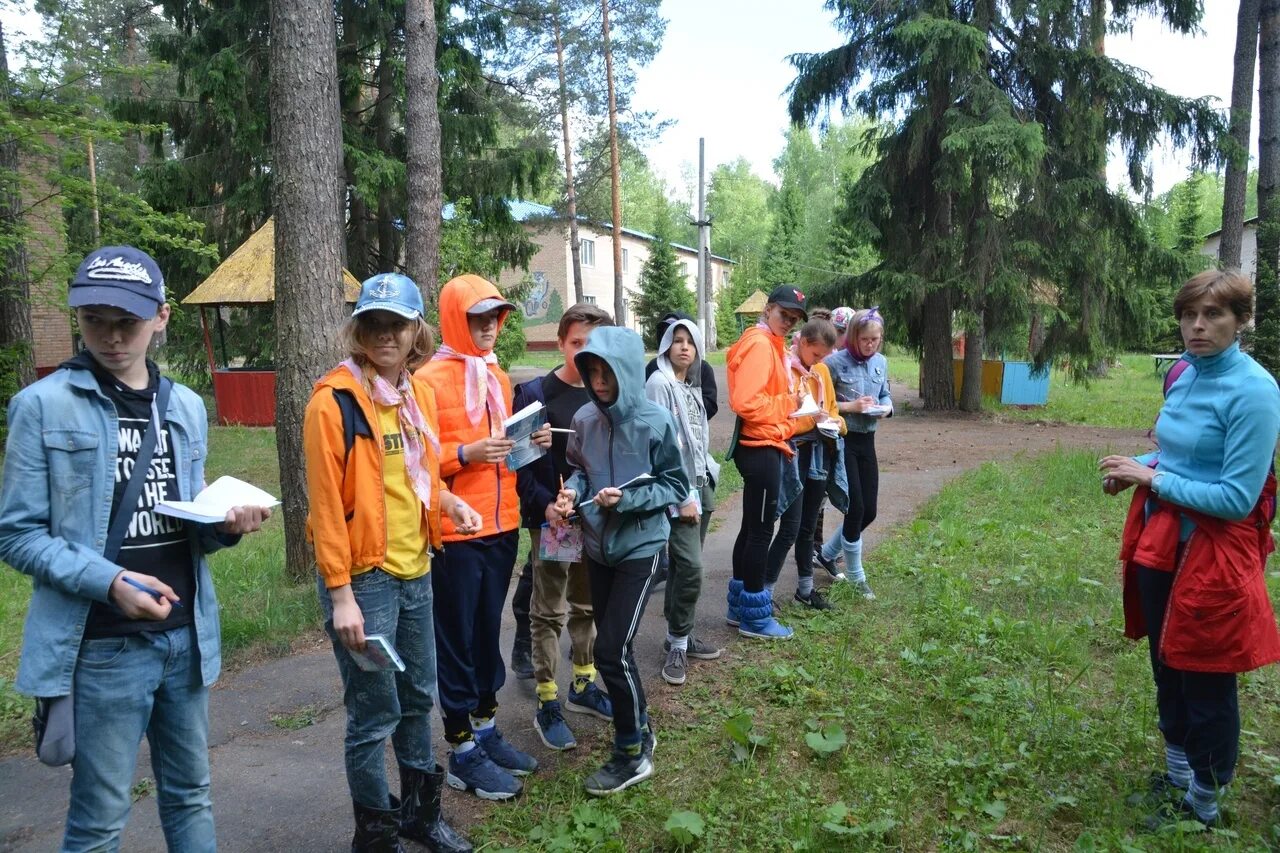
(142,596)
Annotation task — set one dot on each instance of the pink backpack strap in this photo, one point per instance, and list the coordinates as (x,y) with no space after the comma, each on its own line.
(1171,375)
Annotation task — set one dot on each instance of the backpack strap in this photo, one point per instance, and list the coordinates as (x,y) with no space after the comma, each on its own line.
(1171,375)
(354,423)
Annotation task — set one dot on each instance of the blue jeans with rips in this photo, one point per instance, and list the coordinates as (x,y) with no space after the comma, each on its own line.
(147,683)
(387,704)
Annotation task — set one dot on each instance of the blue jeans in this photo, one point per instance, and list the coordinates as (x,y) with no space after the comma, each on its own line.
(147,683)
(388,704)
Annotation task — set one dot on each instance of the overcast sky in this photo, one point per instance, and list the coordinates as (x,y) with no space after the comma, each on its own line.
(722,74)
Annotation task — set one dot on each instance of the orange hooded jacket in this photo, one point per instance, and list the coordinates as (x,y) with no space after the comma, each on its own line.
(347,521)
(759,390)
(489,489)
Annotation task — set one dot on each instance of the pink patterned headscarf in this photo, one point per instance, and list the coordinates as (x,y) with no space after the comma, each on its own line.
(480,380)
(413,426)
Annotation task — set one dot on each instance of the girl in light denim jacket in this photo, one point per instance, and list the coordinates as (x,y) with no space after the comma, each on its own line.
(861,377)
(135,639)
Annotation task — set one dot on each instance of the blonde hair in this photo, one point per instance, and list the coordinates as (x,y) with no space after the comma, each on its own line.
(355,342)
(1230,287)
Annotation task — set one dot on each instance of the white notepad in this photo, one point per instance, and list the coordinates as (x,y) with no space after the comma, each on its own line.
(212,504)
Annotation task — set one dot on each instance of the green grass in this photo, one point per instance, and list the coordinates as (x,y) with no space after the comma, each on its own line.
(986,701)
(541,360)
(1128,397)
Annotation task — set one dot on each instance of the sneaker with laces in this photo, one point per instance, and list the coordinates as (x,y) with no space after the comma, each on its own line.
(863,589)
(697,649)
(503,754)
(592,700)
(475,772)
(551,727)
(815,600)
(620,772)
(830,566)
(674,670)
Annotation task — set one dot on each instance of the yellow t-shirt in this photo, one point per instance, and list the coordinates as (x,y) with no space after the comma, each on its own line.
(408,556)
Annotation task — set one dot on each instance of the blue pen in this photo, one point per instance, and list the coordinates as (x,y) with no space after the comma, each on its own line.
(159,596)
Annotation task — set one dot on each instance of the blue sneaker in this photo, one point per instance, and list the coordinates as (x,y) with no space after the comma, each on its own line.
(474,771)
(550,725)
(503,754)
(592,700)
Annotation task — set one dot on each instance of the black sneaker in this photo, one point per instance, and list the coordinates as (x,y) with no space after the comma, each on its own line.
(620,772)
(815,600)
(1170,814)
(1161,789)
(522,659)
(831,567)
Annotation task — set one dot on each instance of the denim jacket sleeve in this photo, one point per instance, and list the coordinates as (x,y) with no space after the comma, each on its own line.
(27,541)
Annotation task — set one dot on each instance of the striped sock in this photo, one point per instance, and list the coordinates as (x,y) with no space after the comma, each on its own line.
(1175,761)
(1203,800)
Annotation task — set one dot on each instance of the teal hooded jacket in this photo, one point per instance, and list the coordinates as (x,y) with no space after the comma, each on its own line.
(614,443)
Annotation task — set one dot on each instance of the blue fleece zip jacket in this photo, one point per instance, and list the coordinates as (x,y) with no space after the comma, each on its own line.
(613,443)
(1217,434)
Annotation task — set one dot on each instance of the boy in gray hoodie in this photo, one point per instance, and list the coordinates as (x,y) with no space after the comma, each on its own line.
(675,386)
(627,470)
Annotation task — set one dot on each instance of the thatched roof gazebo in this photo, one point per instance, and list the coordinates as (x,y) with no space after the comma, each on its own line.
(752,305)
(246,394)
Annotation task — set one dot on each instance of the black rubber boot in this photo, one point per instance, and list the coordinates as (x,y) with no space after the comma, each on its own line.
(420,818)
(376,829)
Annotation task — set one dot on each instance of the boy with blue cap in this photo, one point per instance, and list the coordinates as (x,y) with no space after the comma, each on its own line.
(123,623)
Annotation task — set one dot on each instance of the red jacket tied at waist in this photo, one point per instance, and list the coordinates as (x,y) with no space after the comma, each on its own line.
(1219,617)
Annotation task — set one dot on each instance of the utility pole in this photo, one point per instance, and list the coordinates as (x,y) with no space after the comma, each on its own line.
(704,241)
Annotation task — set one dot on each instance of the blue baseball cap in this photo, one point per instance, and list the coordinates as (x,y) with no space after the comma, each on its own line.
(390,291)
(120,276)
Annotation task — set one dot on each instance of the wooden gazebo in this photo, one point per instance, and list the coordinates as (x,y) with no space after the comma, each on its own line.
(245,395)
(752,305)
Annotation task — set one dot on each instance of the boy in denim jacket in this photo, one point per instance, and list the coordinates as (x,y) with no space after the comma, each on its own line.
(134,640)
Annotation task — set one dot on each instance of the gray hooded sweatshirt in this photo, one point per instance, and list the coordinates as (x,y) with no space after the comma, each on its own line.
(665,389)
(613,443)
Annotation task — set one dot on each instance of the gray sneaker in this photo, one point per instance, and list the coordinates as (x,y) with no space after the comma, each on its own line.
(697,649)
(673,671)
(863,589)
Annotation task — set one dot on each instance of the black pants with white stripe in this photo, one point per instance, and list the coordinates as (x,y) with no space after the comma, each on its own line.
(618,597)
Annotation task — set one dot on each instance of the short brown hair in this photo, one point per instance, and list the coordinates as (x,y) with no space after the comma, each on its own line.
(1229,287)
(582,312)
(819,330)
(354,340)
(819,313)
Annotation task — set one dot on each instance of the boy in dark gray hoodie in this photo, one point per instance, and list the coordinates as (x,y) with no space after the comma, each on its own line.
(627,470)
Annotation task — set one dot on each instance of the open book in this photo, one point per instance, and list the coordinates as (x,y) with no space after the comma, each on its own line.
(520,428)
(877,411)
(212,504)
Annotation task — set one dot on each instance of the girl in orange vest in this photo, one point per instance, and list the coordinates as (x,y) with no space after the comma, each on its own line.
(474,395)
(760,393)
(376,499)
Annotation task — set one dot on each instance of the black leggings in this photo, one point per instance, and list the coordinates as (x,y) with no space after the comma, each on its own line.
(863,471)
(798,522)
(761,470)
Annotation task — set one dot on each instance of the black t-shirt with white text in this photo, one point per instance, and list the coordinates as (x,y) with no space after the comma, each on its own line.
(154,544)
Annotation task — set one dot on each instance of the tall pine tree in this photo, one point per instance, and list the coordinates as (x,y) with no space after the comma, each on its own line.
(662,289)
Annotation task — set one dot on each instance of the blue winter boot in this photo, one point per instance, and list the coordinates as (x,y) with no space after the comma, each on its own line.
(757,617)
(732,616)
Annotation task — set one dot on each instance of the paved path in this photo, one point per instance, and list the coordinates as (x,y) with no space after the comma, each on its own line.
(285,790)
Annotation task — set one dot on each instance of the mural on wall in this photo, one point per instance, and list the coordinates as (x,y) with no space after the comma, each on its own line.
(543,305)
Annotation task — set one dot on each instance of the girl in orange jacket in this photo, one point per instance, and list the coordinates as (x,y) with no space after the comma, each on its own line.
(474,396)
(763,396)
(376,501)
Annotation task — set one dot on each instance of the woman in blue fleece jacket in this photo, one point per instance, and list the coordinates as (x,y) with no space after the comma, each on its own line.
(1197,536)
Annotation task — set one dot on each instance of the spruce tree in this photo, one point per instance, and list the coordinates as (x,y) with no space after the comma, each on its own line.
(662,289)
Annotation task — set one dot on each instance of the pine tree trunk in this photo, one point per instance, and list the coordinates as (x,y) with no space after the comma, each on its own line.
(383,113)
(971,385)
(571,194)
(357,246)
(1237,176)
(422,128)
(307,199)
(15,280)
(615,174)
(937,377)
(1266,338)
